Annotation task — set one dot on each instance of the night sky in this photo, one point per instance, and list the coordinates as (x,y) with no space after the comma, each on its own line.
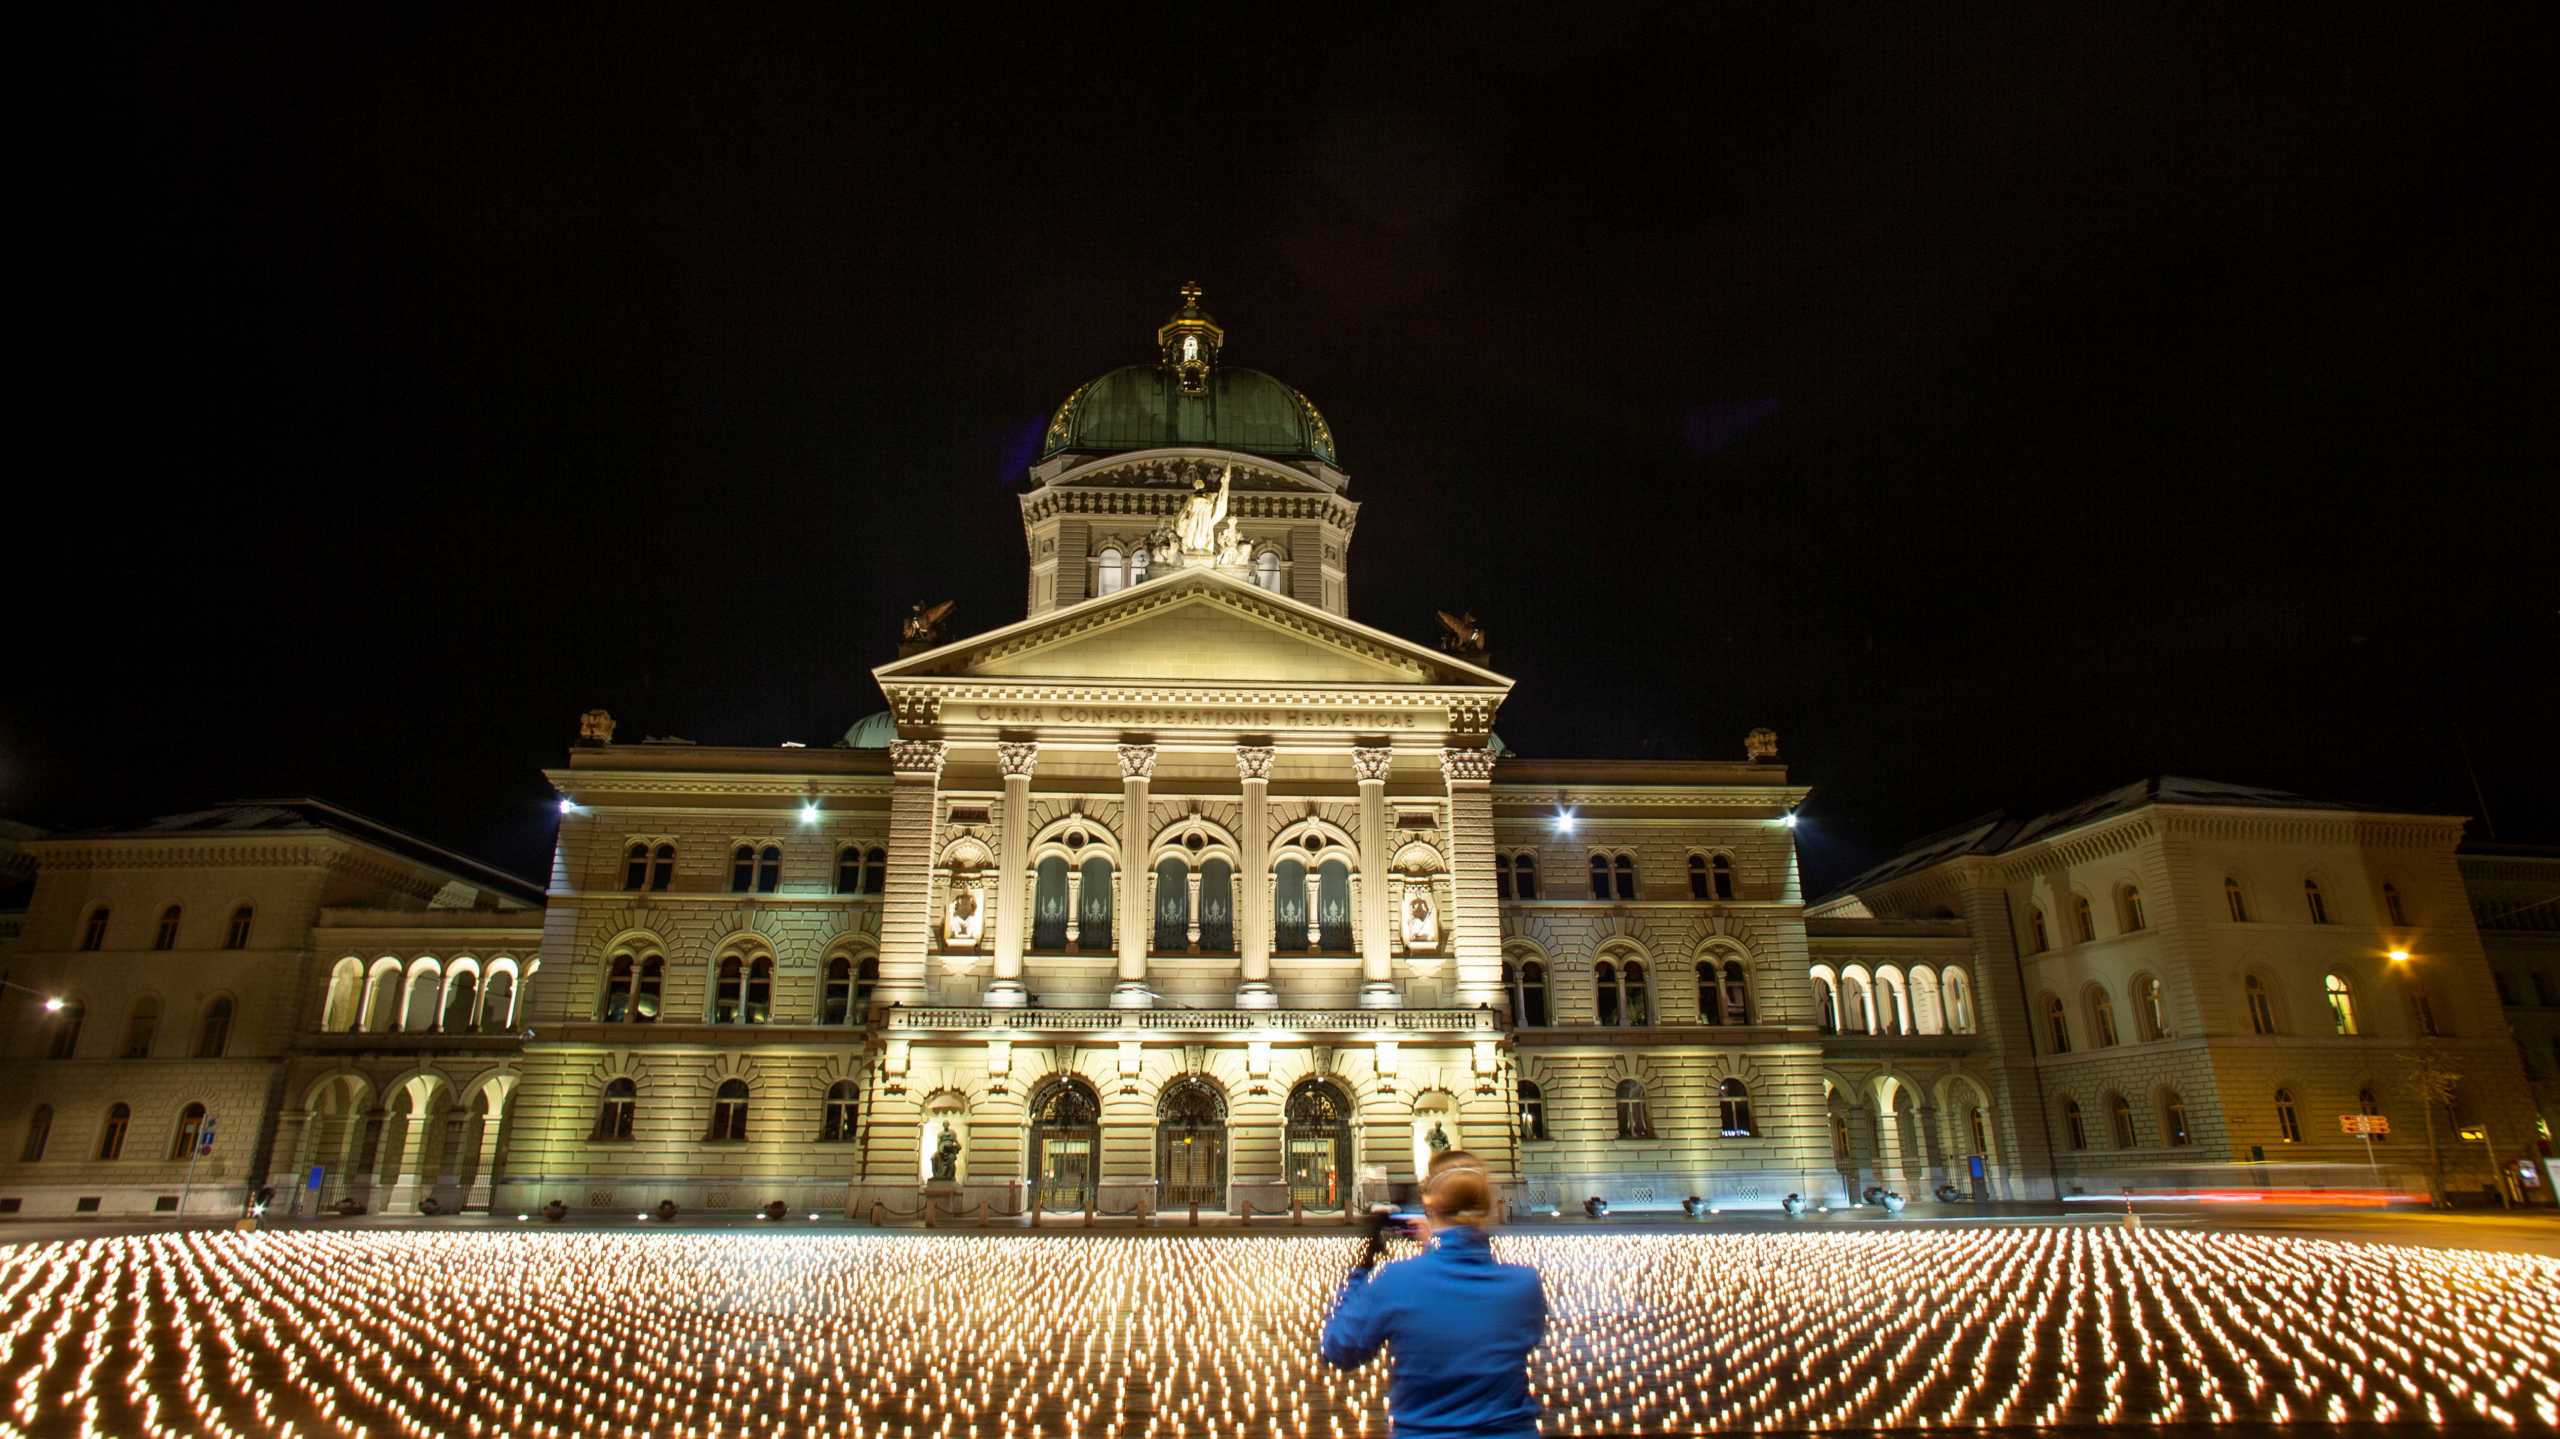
(2000,406)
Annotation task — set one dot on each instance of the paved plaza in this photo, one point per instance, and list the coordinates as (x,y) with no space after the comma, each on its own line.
(908,1336)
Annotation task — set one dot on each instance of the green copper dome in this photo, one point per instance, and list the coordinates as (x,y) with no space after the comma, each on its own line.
(1188,398)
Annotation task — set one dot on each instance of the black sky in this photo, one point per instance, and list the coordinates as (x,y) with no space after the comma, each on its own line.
(2000,405)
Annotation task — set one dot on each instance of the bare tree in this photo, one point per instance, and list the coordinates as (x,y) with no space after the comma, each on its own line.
(2433,1084)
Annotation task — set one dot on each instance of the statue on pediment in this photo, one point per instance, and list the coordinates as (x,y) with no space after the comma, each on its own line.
(1201,515)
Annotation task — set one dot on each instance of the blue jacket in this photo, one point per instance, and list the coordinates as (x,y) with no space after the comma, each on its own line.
(1462,1327)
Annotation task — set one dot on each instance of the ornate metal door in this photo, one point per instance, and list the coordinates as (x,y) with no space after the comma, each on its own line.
(1319,1146)
(1066,1145)
(1191,1146)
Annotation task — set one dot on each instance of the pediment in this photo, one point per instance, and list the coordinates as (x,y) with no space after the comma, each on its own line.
(1194,626)
(1175,469)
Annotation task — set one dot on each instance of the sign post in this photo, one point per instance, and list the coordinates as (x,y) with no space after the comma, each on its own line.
(2479,1134)
(2367,1125)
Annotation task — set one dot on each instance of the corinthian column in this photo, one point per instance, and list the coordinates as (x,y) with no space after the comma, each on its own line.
(1016,760)
(906,918)
(1377,971)
(1137,767)
(1475,916)
(1253,886)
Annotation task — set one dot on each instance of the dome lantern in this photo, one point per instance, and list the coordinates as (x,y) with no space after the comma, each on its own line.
(1190,342)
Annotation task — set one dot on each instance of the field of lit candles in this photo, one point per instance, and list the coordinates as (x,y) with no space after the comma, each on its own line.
(902,1336)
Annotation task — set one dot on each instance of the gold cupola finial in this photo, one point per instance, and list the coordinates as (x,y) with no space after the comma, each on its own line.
(1190,342)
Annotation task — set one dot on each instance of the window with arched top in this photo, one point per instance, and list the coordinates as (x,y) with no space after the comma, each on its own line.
(2038,941)
(2173,1118)
(1624,868)
(93,934)
(1697,876)
(2315,902)
(742,990)
(39,1130)
(1094,883)
(235,935)
(2129,909)
(2342,1002)
(849,869)
(1266,571)
(111,1134)
(2288,1123)
(2057,1028)
(1604,993)
(728,1112)
(1173,905)
(742,869)
(1526,980)
(632,988)
(875,870)
(835,994)
(1635,1121)
(1217,906)
(2150,1011)
(64,1041)
(1720,883)
(2080,916)
(2074,1127)
(165,936)
(2102,1019)
(1733,1110)
(1139,560)
(498,1002)
(2391,904)
(2234,900)
(1826,1005)
(2262,1011)
(1599,876)
(1639,1007)
(1959,996)
(141,1026)
(213,1035)
(1524,879)
(2120,1120)
(1533,1110)
(769,869)
(616,1110)
(1107,575)
(190,1132)
(839,1118)
(635,867)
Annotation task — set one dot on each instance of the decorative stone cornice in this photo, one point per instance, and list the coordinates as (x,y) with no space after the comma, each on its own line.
(915,708)
(593,786)
(1369,763)
(1137,761)
(1253,761)
(2440,833)
(1517,804)
(1466,765)
(916,756)
(1016,758)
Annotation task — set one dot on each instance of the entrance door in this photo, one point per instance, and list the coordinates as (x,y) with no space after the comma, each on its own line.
(1319,1146)
(1065,1145)
(1191,1146)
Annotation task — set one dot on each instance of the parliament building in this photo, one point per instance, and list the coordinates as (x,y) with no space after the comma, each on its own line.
(1190,891)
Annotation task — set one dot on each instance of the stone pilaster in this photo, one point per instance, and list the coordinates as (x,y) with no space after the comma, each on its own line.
(906,919)
(1133,921)
(1016,760)
(1475,915)
(1377,973)
(1253,770)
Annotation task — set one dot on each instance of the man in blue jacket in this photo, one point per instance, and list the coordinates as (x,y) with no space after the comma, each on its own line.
(1461,1325)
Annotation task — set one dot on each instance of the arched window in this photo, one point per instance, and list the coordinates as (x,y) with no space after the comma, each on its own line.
(93,935)
(729,1112)
(1533,1110)
(1049,904)
(2150,1015)
(1599,876)
(2073,1125)
(1733,1105)
(875,870)
(662,867)
(2313,901)
(631,989)
(214,1035)
(2037,940)
(1266,571)
(1093,917)
(2080,915)
(1066,1120)
(2173,1118)
(235,935)
(2288,1123)
(2237,902)
(2102,1019)
(1639,996)
(1862,1006)
(1827,1002)
(166,936)
(141,1026)
(614,1114)
(190,1130)
(1634,1120)
(345,1005)
(1106,571)
(1710,993)
(2129,901)
(1625,867)
(2120,1120)
(498,1002)
(835,997)
(1191,1145)
(1173,905)
(1527,982)
(2391,904)
(39,1129)
(418,1016)
(2342,1003)
(382,997)
(1502,876)
(849,870)
(2056,1028)
(839,1121)
(1524,879)
(1720,877)
(1698,876)
(1604,993)
(1319,1138)
(742,869)
(1897,1013)
(461,993)
(1959,995)
(1139,560)
(743,990)
(1217,906)
(111,1134)
(635,867)
(2262,1013)
(768,869)
(66,1030)
(1333,906)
